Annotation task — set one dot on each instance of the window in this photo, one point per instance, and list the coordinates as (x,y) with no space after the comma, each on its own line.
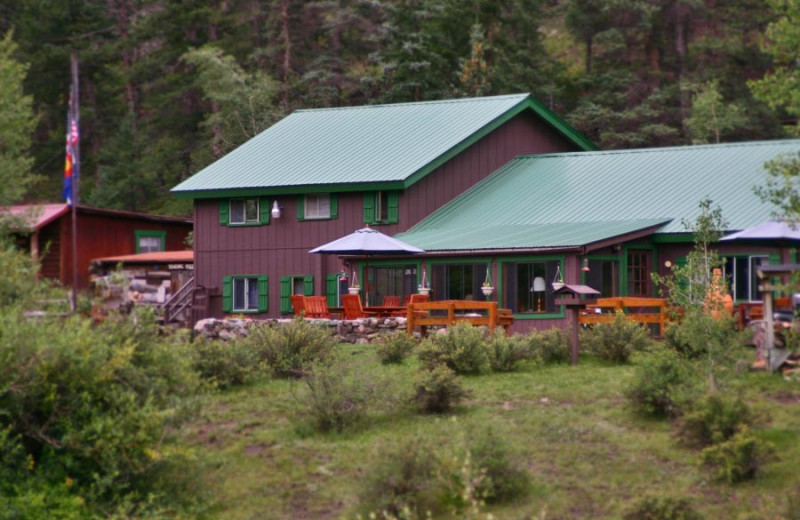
(252,211)
(603,276)
(295,284)
(639,273)
(528,286)
(317,206)
(391,280)
(148,241)
(458,281)
(245,293)
(381,207)
(741,275)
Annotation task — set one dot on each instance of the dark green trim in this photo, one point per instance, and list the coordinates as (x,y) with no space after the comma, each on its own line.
(332,288)
(286,290)
(263,294)
(371,207)
(227,294)
(672,238)
(528,103)
(148,233)
(333,208)
(225,212)
(518,259)
(607,258)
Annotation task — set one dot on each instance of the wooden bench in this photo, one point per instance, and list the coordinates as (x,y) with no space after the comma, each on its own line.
(448,312)
(605,309)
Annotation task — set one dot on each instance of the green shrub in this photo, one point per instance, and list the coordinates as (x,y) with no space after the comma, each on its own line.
(225,364)
(463,348)
(662,384)
(438,389)
(503,479)
(715,418)
(616,341)
(335,399)
(662,508)
(506,352)
(289,349)
(738,458)
(549,347)
(394,348)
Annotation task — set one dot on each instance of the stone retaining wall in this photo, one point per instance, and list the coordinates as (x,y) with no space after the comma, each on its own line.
(347,331)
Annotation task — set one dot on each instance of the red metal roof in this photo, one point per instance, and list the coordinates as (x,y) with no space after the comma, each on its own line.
(36,216)
(149,258)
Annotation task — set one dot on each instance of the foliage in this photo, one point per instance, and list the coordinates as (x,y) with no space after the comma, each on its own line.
(739,458)
(438,389)
(505,352)
(714,419)
(616,341)
(224,364)
(289,349)
(662,385)
(711,116)
(335,399)
(394,348)
(93,407)
(662,508)
(462,348)
(18,276)
(549,347)
(504,478)
(782,188)
(17,121)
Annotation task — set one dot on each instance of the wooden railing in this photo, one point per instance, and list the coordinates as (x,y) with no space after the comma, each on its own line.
(640,310)
(177,309)
(449,312)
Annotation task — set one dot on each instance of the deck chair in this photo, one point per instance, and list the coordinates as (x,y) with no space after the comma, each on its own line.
(411,298)
(298,304)
(353,309)
(391,301)
(317,307)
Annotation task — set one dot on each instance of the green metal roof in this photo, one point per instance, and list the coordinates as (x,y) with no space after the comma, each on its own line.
(336,149)
(557,200)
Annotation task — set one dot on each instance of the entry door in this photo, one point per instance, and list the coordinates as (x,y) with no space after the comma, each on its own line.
(639,268)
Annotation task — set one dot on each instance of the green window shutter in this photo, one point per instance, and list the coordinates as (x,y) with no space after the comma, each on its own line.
(224,212)
(774,258)
(301,207)
(369,207)
(227,294)
(334,206)
(394,206)
(308,285)
(793,256)
(331,289)
(263,293)
(263,210)
(286,291)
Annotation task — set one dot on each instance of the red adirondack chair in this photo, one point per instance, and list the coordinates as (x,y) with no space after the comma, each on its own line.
(298,304)
(352,307)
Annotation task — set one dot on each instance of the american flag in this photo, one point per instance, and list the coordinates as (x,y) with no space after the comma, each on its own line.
(70,165)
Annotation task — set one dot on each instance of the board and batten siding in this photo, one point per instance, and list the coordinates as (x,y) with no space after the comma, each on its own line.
(281,247)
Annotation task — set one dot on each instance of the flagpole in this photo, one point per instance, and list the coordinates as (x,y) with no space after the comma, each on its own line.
(74,109)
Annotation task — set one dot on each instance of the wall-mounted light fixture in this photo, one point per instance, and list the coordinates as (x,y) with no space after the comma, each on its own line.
(276,210)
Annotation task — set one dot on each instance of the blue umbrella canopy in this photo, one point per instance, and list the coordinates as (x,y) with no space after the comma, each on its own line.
(770,230)
(367,241)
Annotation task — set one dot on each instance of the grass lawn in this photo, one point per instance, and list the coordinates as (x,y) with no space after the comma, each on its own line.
(587,454)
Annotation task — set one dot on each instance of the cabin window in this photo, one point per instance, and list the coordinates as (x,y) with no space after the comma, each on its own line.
(381,207)
(742,277)
(458,281)
(295,284)
(639,283)
(391,280)
(528,286)
(252,211)
(148,241)
(603,276)
(317,206)
(245,293)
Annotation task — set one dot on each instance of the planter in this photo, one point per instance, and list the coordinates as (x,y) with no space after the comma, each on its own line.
(354,290)
(487,290)
(424,290)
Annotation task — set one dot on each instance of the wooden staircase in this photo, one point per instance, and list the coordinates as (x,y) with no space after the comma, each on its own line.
(185,307)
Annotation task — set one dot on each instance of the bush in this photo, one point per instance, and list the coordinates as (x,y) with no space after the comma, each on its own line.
(289,349)
(715,418)
(335,400)
(549,347)
(225,364)
(738,458)
(663,508)
(463,348)
(616,341)
(394,348)
(662,384)
(506,352)
(504,480)
(438,390)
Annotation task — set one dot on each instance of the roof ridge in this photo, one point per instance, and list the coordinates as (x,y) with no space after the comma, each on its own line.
(684,148)
(521,96)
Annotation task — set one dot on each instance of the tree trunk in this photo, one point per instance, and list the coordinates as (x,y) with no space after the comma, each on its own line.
(287,52)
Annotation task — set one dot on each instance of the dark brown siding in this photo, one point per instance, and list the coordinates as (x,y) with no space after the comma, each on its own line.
(281,248)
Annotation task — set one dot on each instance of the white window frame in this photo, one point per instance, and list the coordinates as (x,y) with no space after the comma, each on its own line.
(312,211)
(155,241)
(246,220)
(247,281)
(752,276)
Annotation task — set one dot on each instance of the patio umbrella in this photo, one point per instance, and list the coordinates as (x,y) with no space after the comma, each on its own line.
(366,242)
(779,231)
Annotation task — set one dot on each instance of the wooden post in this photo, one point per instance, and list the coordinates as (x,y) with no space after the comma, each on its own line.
(74,108)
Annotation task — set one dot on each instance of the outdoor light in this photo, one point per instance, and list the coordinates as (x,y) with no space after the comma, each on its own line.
(585,267)
(539,286)
(276,210)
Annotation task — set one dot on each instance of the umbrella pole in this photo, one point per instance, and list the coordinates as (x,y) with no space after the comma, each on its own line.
(366,281)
